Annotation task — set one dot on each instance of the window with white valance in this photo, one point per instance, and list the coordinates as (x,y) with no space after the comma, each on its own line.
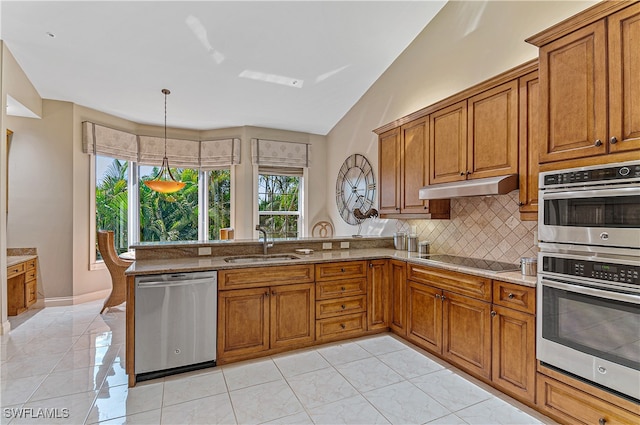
(150,150)
(274,153)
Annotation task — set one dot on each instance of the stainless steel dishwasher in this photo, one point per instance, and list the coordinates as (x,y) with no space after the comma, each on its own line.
(175,323)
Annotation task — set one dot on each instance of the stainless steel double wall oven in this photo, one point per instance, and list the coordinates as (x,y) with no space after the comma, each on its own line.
(588,321)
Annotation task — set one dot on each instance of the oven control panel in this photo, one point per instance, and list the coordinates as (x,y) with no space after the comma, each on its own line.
(592,175)
(592,269)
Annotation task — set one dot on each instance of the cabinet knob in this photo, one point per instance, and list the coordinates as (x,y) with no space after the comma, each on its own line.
(398,209)
(468,172)
(425,207)
(266,294)
(602,421)
(343,306)
(342,270)
(343,326)
(443,298)
(493,313)
(521,204)
(462,173)
(613,140)
(370,265)
(598,142)
(437,296)
(343,289)
(510,296)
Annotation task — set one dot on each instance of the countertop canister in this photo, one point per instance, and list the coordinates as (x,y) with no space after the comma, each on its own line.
(412,243)
(400,241)
(529,266)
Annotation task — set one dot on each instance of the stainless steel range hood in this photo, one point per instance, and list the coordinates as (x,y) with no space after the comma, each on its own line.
(478,187)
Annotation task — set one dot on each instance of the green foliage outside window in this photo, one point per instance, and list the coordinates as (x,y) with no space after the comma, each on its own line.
(276,196)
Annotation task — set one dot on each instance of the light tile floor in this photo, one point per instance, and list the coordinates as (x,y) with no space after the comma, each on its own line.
(66,365)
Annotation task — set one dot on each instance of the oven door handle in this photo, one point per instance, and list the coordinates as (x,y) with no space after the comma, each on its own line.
(599,193)
(579,289)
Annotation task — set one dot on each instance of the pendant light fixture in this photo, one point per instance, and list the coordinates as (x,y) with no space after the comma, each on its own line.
(164,182)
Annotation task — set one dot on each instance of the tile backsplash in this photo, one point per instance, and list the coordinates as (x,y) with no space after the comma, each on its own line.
(481,227)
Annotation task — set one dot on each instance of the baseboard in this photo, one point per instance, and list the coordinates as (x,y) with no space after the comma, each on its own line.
(5,328)
(77,299)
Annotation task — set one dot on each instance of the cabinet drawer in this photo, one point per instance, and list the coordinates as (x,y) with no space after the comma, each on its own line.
(340,306)
(340,288)
(30,275)
(460,283)
(514,296)
(31,264)
(341,326)
(571,405)
(15,270)
(340,270)
(30,293)
(253,277)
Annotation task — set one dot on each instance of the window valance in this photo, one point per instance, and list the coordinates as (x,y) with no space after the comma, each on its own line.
(219,153)
(276,153)
(149,150)
(101,140)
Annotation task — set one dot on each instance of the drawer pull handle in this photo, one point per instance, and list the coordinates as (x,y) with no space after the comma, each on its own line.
(342,270)
(493,313)
(343,326)
(510,296)
(343,289)
(343,306)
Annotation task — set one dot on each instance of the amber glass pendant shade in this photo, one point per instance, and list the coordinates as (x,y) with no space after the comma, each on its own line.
(164,182)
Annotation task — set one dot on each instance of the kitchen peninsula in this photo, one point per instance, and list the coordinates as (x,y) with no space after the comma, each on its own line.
(340,293)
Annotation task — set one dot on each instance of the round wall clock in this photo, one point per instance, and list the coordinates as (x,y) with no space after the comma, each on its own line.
(355,187)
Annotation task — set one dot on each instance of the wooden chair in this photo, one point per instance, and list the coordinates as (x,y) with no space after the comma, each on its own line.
(116,266)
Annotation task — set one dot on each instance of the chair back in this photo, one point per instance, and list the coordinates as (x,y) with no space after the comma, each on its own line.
(107,248)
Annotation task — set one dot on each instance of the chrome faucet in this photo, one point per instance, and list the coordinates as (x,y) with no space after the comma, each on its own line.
(265,245)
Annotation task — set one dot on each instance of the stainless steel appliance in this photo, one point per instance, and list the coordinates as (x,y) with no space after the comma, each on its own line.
(597,205)
(588,292)
(175,323)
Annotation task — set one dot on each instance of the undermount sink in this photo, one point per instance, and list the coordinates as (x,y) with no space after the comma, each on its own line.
(260,258)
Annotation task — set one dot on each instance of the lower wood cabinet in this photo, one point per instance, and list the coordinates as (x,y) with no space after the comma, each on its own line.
(258,319)
(398,297)
(22,286)
(378,295)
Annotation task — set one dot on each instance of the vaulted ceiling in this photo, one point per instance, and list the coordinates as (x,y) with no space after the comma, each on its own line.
(294,65)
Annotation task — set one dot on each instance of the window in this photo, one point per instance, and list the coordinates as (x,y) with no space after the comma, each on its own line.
(279,204)
(171,216)
(219,201)
(112,187)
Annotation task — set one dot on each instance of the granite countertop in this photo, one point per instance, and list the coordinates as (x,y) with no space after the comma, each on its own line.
(189,264)
(12,260)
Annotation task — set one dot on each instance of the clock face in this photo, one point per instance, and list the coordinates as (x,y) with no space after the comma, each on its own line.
(355,187)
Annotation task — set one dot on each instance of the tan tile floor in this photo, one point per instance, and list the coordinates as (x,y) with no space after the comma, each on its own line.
(68,362)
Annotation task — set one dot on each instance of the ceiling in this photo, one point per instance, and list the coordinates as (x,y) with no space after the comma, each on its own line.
(293,65)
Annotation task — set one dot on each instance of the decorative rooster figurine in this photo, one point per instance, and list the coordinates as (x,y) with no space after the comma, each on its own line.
(362,217)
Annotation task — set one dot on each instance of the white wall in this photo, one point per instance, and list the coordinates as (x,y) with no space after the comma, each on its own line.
(466,43)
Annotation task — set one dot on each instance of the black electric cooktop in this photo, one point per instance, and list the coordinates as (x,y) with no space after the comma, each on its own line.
(476,263)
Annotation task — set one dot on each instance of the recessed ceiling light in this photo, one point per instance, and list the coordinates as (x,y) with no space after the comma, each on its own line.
(50,34)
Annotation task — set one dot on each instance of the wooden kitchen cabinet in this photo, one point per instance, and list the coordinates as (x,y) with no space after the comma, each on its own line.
(255,317)
(22,286)
(448,143)
(492,141)
(378,295)
(589,85)
(450,324)
(398,297)
(403,169)
(529,124)
(341,288)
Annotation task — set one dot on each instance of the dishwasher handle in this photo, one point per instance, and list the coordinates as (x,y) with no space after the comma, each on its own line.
(166,284)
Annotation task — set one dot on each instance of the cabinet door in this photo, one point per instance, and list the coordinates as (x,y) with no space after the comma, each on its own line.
(492,141)
(424,316)
(529,139)
(624,79)
(448,144)
(292,315)
(467,333)
(389,171)
(378,295)
(415,165)
(398,297)
(513,365)
(573,95)
(243,322)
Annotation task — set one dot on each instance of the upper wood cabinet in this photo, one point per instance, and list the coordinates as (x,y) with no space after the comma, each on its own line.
(529,137)
(476,138)
(404,169)
(590,85)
